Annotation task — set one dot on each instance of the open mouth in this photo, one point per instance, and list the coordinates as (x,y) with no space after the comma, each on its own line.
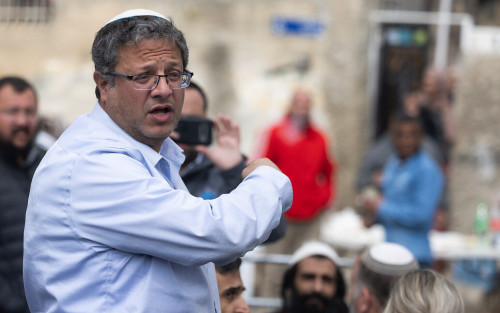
(161,111)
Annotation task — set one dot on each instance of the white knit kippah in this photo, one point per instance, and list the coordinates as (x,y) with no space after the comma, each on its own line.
(137,12)
(389,259)
(311,248)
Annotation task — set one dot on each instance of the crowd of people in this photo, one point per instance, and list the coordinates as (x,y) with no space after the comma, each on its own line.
(119,214)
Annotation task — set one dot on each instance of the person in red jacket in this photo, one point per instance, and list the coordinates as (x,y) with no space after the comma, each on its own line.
(301,151)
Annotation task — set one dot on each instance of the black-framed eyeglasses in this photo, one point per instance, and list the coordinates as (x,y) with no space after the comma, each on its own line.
(175,80)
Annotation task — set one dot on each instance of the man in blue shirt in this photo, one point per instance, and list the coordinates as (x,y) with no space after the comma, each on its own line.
(110,226)
(411,187)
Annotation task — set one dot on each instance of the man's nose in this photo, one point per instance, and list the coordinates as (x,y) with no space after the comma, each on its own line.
(162,88)
(242,306)
(318,284)
(23,118)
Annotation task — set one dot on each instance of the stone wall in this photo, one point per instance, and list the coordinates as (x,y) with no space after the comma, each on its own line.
(474,171)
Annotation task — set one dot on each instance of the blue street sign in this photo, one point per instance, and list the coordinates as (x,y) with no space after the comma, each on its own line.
(296,26)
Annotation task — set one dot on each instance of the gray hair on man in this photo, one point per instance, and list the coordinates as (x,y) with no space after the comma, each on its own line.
(376,271)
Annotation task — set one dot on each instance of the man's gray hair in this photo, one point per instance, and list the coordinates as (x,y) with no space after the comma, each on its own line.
(128,31)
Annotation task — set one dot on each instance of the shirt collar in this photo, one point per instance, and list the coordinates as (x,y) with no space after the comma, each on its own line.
(169,149)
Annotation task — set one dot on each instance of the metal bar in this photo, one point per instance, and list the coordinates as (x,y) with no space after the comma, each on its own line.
(285,259)
(373,54)
(264,302)
(414,17)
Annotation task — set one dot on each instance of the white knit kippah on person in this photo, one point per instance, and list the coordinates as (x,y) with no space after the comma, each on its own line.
(312,248)
(136,12)
(389,259)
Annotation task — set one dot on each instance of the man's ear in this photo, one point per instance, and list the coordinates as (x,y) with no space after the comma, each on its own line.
(102,85)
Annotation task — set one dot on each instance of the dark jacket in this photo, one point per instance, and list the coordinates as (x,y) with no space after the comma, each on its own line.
(203,179)
(15,184)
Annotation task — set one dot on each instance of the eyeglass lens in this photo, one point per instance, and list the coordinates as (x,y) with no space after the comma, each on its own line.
(149,82)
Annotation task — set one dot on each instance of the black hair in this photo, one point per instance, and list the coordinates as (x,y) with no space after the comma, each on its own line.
(19,84)
(402,117)
(193,85)
(231,267)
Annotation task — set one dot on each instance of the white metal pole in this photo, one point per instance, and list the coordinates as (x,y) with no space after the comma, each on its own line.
(443,34)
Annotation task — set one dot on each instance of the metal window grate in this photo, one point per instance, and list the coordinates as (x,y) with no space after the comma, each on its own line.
(26,11)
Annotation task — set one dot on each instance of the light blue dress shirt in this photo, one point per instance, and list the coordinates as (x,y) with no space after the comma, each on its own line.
(412,190)
(110,226)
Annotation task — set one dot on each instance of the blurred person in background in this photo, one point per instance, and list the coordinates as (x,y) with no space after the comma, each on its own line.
(383,148)
(433,103)
(209,172)
(411,187)
(19,158)
(368,180)
(424,291)
(314,282)
(302,152)
(49,129)
(375,272)
(231,288)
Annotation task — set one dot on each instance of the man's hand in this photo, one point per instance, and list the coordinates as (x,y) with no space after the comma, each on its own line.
(256,163)
(225,154)
(371,204)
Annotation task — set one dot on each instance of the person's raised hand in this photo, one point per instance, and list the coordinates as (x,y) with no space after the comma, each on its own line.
(225,153)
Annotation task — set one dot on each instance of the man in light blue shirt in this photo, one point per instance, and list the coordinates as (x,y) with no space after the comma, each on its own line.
(110,226)
(412,184)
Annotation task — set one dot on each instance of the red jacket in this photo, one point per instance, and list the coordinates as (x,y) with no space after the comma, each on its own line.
(303,157)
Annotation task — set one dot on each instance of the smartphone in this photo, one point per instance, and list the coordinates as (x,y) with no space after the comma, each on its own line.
(194,131)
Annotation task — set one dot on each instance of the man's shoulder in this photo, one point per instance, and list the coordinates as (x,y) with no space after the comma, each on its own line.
(317,131)
(426,165)
(427,160)
(86,135)
(79,147)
